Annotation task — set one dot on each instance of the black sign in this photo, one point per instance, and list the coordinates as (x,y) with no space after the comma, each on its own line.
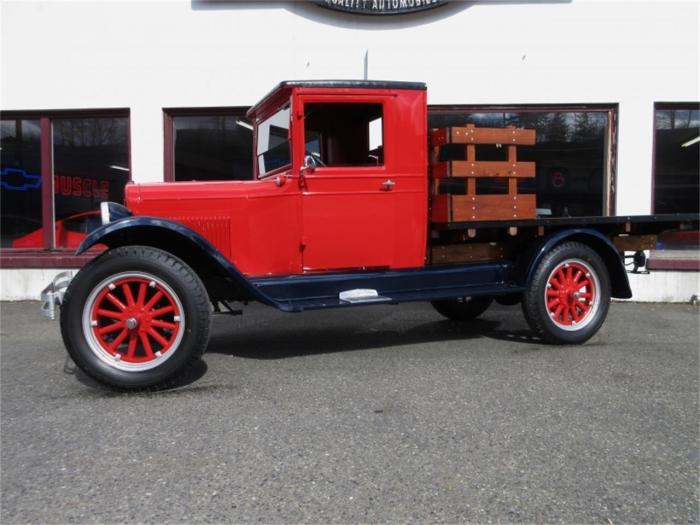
(380,7)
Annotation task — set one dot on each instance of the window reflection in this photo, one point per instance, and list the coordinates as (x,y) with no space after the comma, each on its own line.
(20,184)
(90,165)
(273,142)
(212,147)
(677,161)
(570,155)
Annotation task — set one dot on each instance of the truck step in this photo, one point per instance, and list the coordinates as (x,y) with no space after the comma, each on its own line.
(362,295)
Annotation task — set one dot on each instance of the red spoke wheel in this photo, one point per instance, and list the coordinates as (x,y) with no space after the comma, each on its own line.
(135,317)
(133,321)
(571,294)
(568,296)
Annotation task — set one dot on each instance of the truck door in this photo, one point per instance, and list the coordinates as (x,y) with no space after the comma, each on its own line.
(349,195)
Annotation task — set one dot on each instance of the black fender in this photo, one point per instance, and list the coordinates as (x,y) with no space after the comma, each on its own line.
(182,242)
(527,263)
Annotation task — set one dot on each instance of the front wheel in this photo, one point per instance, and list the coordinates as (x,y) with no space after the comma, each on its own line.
(135,317)
(568,298)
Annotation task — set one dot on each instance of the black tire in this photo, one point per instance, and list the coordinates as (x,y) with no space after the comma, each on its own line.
(574,305)
(463,308)
(162,339)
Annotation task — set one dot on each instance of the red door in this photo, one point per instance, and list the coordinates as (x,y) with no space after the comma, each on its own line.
(349,198)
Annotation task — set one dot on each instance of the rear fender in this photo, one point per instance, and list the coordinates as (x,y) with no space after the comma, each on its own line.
(213,268)
(619,282)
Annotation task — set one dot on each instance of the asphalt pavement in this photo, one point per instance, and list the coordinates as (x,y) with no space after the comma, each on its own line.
(377,414)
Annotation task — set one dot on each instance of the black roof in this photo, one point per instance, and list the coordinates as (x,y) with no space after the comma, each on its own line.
(374,84)
(377,84)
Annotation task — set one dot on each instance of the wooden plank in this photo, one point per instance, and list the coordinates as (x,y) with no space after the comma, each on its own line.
(633,243)
(491,207)
(512,186)
(468,208)
(512,153)
(471,153)
(471,186)
(483,168)
(471,252)
(470,134)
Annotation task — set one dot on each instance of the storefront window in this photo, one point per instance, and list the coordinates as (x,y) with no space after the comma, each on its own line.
(20,183)
(677,183)
(80,161)
(677,159)
(211,147)
(90,165)
(573,166)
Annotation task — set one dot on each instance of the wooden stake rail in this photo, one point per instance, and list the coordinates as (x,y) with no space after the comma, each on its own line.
(448,207)
(470,134)
(483,168)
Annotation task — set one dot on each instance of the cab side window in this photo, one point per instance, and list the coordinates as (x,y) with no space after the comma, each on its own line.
(342,134)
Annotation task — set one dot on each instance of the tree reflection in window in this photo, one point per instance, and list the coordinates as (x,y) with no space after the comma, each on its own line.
(677,160)
(570,154)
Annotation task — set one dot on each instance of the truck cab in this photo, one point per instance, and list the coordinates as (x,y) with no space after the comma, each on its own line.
(339,183)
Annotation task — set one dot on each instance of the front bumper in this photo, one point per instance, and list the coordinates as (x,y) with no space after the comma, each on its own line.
(52,295)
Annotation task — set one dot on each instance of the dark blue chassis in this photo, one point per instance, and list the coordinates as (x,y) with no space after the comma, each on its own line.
(296,293)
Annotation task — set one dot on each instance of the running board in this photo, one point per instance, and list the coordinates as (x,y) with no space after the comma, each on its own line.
(296,293)
(362,296)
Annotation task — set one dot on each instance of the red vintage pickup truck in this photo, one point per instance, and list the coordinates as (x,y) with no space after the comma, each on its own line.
(352,202)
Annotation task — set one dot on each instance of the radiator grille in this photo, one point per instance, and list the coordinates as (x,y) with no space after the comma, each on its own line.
(217,230)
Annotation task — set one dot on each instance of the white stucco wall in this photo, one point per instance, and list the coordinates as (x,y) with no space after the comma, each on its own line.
(149,55)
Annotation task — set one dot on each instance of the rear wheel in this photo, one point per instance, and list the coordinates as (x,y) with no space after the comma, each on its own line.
(136,317)
(462,308)
(568,298)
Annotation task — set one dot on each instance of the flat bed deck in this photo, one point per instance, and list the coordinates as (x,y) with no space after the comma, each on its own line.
(639,224)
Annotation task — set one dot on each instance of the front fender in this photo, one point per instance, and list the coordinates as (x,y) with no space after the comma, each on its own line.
(179,240)
(600,243)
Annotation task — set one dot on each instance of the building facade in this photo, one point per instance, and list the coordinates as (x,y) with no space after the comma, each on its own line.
(96,94)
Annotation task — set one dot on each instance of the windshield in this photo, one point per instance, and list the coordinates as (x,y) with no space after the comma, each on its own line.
(273,142)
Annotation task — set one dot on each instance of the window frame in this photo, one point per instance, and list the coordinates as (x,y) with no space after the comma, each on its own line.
(355,171)
(50,256)
(169,114)
(611,139)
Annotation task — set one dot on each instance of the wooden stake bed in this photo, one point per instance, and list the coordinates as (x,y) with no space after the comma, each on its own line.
(462,199)
(470,134)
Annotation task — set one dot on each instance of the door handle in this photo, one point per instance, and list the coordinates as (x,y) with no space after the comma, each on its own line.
(388,185)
